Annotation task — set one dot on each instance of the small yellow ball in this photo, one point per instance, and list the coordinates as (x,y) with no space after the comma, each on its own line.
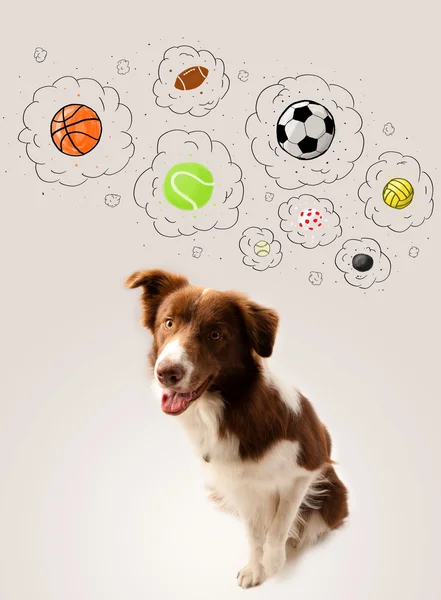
(398,193)
(262,248)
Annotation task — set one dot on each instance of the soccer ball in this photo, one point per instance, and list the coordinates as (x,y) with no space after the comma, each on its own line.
(305,129)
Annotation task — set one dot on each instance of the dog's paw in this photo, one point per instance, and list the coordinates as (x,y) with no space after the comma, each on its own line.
(251,575)
(274,557)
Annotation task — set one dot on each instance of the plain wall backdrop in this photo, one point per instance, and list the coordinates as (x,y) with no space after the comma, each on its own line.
(101,495)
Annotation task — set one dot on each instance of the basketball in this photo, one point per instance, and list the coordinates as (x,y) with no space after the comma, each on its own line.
(191,78)
(262,248)
(398,193)
(188,186)
(76,129)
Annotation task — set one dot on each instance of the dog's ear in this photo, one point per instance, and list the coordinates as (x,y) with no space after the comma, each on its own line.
(261,325)
(156,286)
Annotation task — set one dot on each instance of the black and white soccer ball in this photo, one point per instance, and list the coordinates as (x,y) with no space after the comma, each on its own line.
(305,129)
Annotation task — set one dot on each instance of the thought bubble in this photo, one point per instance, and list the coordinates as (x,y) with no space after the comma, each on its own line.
(363,262)
(331,155)
(75,130)
(310,221)
(414,251)
(388,129)
(112,200)
(192,185)
(397,194)
(40,54)
(243,75)
(197,251)
(190,81)
(269,197)
(261,251)
(315,277)
(123,67)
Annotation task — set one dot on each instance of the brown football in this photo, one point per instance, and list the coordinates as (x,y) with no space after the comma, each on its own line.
(191,78)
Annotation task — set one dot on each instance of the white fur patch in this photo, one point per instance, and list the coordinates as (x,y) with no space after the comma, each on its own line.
(288,393)
(201,421)
(175,353)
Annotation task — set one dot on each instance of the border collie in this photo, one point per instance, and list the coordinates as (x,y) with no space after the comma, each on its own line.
(268,452)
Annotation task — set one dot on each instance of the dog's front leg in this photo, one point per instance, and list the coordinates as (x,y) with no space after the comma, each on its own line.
(257,520)
(274,549)
(252,574)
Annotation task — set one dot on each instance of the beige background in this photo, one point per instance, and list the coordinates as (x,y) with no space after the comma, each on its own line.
(100,493)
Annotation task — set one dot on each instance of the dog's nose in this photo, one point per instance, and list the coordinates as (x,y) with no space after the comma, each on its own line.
(170,375)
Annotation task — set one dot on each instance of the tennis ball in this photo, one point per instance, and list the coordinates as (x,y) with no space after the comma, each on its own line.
(262,248)
(188,186)
(398,193)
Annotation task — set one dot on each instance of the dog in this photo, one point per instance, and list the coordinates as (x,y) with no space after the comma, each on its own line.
(268,452)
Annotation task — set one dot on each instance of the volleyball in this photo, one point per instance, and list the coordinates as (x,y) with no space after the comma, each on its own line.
(76,129)
(262,248)
(398,193)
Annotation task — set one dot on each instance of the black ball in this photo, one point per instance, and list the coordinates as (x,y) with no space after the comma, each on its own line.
(362,262)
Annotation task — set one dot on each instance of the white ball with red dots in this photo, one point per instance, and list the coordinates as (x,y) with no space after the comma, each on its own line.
(311,219)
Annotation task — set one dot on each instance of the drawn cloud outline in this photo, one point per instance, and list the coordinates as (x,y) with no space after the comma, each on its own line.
(172,148)
(380,271)
(388,129)
(315,277)
(289,212)
(123,66)
(289,172)
(250,237)
(190,101)
(390,165)
(51,165)
(40,54)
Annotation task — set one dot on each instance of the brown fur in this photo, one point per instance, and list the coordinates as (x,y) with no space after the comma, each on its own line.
(253,410)
(246,327)
(333,502)
(334,509)
(256,414)
(156,286)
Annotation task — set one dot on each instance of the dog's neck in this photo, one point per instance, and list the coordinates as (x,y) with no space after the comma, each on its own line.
(238,380)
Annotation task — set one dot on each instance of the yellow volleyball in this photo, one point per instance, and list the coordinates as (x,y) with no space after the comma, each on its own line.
(262,248)
(398,193)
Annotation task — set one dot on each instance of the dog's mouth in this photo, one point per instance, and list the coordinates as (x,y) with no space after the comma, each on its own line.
(175,403)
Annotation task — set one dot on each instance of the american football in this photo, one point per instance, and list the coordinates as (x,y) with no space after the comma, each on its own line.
(191,78)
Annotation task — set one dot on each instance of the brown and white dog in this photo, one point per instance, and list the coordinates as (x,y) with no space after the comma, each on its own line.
(269,454)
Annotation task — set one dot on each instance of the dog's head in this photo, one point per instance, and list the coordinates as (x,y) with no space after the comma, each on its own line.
(201,336)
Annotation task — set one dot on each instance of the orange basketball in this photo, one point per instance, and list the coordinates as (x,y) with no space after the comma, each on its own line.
(76,129)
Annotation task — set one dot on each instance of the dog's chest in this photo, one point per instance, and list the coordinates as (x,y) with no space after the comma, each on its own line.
(278,464)
(201,422)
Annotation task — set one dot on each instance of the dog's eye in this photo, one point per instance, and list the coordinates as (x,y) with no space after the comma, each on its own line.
(215,335)
(168,324)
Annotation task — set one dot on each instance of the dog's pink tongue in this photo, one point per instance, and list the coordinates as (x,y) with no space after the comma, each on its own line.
(173,402)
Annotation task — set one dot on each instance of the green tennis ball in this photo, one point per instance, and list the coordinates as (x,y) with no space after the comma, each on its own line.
(188,186)
(262,248)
